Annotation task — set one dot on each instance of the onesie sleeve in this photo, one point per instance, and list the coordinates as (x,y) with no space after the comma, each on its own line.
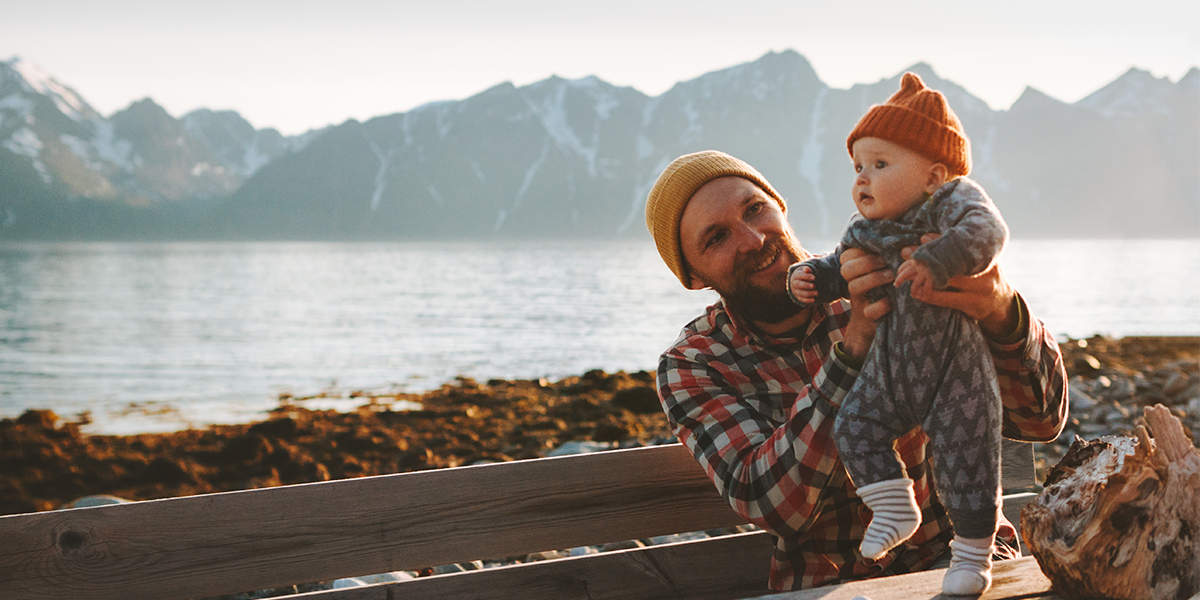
(777,475)
(972,232)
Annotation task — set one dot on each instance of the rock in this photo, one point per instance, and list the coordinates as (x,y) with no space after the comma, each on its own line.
(458,567)
(641,400)
(96,500)
(1193,408)
(580,447)
(1087,361)
(1080,400)
(1175,384)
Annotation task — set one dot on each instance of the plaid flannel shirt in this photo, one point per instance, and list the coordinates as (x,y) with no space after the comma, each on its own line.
(757,412)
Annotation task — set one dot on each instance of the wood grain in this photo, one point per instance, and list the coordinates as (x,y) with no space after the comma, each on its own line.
(722,568)
(238,541)
(214,544)
(1011,579)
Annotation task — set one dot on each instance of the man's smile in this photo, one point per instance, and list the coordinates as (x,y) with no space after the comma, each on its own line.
(767,262)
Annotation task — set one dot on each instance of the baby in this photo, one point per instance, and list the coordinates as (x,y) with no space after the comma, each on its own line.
(928,366)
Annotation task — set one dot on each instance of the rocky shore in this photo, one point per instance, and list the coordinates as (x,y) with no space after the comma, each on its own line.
(46,462)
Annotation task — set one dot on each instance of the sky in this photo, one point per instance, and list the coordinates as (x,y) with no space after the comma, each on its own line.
(302,64)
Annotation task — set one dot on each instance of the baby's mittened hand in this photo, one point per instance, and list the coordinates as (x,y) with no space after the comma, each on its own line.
(802,284)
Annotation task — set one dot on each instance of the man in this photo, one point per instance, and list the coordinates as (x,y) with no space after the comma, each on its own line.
(752,386)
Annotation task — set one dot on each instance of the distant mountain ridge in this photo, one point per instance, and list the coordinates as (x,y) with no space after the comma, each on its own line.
(572,158)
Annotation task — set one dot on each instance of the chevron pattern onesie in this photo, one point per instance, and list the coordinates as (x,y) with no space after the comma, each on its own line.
(929,366)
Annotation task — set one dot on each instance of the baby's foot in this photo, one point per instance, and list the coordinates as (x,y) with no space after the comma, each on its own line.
(896,515)
(970,571)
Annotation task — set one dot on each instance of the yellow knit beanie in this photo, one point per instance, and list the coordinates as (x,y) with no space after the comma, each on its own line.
(919,119)
(676,185)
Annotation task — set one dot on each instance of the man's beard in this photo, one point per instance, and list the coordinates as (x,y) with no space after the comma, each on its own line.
(765,305)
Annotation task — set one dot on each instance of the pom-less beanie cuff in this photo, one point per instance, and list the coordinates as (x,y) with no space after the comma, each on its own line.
(675,187)
(919,119)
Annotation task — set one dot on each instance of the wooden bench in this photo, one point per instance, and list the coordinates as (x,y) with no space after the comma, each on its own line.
(213,544)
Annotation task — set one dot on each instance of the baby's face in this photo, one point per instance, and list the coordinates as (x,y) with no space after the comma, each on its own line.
(891,178)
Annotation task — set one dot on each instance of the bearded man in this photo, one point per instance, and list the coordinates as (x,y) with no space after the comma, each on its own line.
(753,385)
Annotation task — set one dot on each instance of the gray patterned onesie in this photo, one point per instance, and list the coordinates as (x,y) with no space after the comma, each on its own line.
(928,366)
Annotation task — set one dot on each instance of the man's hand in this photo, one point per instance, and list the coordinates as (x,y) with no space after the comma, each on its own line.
(864,272)
(986,297)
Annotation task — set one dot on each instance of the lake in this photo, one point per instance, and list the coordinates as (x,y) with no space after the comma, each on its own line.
(150,337)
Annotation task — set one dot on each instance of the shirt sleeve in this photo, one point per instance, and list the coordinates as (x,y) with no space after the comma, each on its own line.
(777,476)
(1032,381)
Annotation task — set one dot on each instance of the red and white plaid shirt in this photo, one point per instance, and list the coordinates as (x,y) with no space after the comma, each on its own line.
(757,412)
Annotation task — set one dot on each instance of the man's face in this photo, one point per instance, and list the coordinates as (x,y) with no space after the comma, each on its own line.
(736,240)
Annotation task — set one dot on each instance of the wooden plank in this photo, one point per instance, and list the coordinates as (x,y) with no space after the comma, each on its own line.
(1011,579)
(722,568)
(237,541)
(718,569)
(1016,467)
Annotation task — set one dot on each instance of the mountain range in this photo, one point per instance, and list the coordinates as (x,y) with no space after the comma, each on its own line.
(572,158)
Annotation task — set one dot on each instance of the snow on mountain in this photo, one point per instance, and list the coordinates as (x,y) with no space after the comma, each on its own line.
(575,158)
(37,80)
(1134,92)
(138,155)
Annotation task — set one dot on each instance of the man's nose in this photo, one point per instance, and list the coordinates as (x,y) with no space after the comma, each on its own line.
(750,238)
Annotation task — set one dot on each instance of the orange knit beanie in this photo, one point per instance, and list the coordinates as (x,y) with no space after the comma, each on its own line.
(676,185)
(919,119)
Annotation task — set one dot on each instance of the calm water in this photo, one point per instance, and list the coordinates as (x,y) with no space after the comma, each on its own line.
(157,336)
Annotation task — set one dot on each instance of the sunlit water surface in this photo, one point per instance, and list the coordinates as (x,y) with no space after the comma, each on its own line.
(150,337)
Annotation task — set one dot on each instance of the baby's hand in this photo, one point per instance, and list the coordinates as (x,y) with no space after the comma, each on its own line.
(918,273)
(802,284)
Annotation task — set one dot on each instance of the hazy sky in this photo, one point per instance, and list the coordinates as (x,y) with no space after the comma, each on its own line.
(299,64)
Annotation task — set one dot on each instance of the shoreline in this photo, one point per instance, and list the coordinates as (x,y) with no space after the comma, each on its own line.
(47,462)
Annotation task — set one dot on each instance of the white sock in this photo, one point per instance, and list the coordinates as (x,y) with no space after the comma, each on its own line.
(896,515)
(970,571)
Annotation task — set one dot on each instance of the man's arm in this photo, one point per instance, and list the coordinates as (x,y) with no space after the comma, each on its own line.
(1028,361)
(1033,380)
(777,476)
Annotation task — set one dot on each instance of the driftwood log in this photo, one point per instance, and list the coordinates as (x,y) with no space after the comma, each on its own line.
(1120,517)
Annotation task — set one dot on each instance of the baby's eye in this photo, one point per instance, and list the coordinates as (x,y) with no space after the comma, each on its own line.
(879,164)
(858,168)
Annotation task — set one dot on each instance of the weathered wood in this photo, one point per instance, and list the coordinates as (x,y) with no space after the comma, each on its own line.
(722,568)
(1120,518)
(226,543)
(238,541)
(1020,578)
(1016,467)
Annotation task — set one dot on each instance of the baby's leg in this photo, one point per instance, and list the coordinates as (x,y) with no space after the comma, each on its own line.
(866,426)
(970,571)
(964,444)
(895,516)
(964,431)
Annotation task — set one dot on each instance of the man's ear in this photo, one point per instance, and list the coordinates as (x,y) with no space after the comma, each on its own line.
(939,174)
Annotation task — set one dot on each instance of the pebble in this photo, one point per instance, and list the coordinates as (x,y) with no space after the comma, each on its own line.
(1107,399)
